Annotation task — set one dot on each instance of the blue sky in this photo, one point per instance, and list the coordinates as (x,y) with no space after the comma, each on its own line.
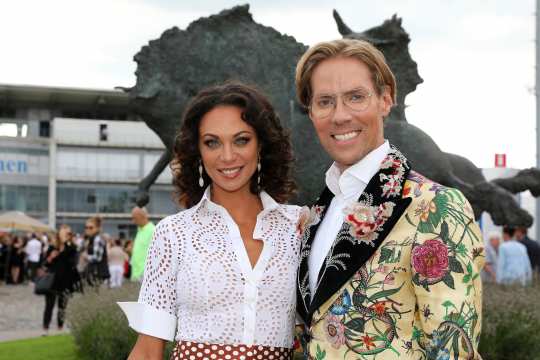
(476,57)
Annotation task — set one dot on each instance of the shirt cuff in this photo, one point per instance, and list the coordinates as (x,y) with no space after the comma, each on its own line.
(146,319)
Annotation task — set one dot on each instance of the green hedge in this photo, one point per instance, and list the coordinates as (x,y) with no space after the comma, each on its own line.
(511,323)
(99,326)
(511,326)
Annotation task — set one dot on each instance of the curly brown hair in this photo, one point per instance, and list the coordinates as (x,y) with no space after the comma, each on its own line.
(276,153)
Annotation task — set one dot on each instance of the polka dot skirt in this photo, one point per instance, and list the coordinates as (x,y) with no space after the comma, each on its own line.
(197,351)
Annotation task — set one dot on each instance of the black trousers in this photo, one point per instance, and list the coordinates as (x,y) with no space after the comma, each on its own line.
(50,299)
(32,268)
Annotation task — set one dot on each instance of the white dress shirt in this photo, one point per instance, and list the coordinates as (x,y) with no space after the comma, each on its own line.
(199,284)
(347,188)
(34,249)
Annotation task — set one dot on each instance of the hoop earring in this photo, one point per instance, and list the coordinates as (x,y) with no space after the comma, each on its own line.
(201,180)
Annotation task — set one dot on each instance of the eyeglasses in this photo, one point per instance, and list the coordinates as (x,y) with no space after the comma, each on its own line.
(357,100)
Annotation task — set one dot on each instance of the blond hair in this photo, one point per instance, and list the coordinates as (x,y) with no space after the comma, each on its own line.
(361,50)
(55,241)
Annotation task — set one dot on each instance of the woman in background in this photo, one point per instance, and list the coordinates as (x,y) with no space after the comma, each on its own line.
(95,253)
(61,260)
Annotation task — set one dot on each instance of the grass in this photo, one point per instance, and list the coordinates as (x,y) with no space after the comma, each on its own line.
(58,347)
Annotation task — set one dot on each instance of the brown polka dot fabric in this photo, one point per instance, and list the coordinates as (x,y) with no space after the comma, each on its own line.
(198,351)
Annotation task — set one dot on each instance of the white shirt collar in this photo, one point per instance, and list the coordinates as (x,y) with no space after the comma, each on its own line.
(268,203)
(358,175)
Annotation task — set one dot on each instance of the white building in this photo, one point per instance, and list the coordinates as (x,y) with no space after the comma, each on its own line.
(67,154)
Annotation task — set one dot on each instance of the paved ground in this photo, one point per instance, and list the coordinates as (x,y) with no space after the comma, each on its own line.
(21,313)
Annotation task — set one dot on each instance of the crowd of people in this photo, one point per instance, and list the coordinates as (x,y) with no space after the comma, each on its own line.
(73,261)
(514,260)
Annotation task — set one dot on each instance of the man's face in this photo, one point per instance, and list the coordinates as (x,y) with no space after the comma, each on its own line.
(494,242)
(138,218)
(348,135)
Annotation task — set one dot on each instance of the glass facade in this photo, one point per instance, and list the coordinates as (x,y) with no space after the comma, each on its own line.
(24,198)
(98,165)
(86,164)
(109,199)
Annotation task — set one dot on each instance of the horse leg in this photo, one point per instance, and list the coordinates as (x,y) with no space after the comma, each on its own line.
(142,196)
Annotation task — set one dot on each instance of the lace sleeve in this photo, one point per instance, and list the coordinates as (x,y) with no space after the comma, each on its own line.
(155,312)
(159,283)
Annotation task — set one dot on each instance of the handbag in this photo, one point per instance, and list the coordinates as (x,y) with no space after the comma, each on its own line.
(43,284)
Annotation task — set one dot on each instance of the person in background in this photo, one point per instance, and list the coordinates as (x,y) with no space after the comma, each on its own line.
(61,260)
(513,265)
(33,251)
(17,260)
(491,249)
(128,248)
(533,248)
(78,240)
(4,240)
(117,258)
(95,253)
(145,230)
(44,240)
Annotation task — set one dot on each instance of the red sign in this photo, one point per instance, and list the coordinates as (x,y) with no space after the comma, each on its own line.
(500,160)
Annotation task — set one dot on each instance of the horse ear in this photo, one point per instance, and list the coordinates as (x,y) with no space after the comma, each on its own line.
(396,19)
(342,27)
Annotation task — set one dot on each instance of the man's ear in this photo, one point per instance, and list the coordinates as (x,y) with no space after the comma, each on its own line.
(387,101)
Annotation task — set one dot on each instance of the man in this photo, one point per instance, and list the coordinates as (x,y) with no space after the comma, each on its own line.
(491,250)
(33,251)
(533,248)
(513,265)
(145,231)
(390,260)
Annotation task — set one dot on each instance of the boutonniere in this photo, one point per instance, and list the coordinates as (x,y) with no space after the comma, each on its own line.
(366,221)
(309,217)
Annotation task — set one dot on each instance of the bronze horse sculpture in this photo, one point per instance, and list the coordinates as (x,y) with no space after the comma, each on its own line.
(230,45)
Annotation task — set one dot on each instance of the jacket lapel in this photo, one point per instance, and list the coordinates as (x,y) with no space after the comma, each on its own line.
(317,213)
(367,223)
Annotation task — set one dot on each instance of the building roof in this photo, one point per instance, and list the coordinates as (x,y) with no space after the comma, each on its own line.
(48,95)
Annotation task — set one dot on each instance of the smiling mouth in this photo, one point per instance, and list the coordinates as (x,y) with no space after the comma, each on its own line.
(347,136)
(231,172)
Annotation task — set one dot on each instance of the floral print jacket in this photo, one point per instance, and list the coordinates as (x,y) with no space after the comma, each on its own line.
(401,280)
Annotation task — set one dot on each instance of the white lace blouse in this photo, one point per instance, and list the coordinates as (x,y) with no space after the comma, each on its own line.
(199,283)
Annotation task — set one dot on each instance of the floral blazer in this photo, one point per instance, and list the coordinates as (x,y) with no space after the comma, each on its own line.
(401,280)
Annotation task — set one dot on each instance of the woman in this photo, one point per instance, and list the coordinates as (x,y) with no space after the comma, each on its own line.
(17,260)
(61,259)
(95,253)
(117,259)
(222,273)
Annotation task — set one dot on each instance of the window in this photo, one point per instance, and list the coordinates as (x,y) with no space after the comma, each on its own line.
(24,198)
(103,132)
(8,129)
(44,129)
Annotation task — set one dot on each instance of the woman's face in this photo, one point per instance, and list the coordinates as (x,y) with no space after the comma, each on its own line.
(229,148)
(90,229)
(64,234)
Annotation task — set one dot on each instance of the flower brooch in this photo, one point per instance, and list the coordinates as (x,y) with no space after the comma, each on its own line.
(309,217)
(366,221)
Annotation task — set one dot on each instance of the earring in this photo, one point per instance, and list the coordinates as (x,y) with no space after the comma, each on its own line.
(201,180)
(259,171)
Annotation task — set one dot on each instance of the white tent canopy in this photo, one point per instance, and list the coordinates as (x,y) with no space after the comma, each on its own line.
(19,221)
